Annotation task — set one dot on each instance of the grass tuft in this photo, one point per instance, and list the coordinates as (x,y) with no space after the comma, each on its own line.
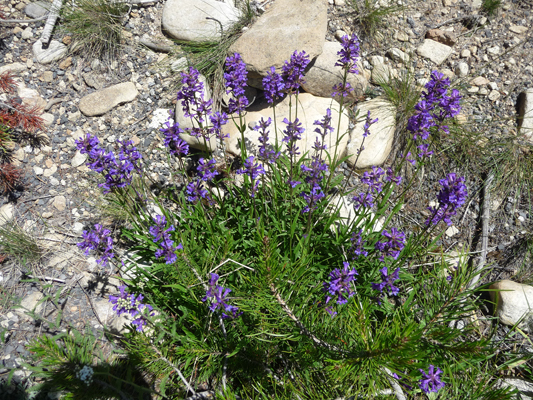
(18,244)
(95,26)
(491,6)
(370,14)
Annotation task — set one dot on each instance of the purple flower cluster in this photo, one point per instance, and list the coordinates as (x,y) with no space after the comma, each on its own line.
(273,85)
(266,154)
(393,246)
(292,72)
(452,196)
(176,145)
(373,179)
(236,82)
(292,133)
(349,53)
(339,285)
(206,169)
(431,382)
(357,249)
(128,303)
(195,191)
(368,121)
(390,177)
(387,281)
(253,170)
(117,173)
(191,95)
(434,107)
(98,240)
(160,232)
(219,296)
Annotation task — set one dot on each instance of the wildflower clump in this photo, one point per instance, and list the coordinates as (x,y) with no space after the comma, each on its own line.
(131,304)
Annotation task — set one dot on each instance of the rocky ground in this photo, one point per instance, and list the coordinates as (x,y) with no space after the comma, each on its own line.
(488,58)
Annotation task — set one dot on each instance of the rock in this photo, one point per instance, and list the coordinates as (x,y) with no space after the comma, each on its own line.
(37,170)
(382,73)
(451,231)
(66,63)
(186,19)
(323,74)
(514,301)
(525,114)
(37,9)
(401,36)
(78,228)
(379,143)
(288,25)
(102,101)
(29,303)
(494,95)
(444,37)
(348,214)
(6,213)
(159,117)
(54,52)
(525,388)
(60,203)
(466,53)
(462,69)
(398,55)
(518,29)
(162,45)
(435,51)
(15,68)
(93,81)
(495,50)
(181,64)
(479,81)
(104,310)
(30,97)
(310,109)
(48,76)
(103,284)
(27,33)
(50,171)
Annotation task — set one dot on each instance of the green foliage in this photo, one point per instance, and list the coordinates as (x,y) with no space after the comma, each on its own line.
(95,26)
(370,14)
(491,6)
(15,242)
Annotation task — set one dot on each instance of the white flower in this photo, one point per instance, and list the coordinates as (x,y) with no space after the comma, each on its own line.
(85,375)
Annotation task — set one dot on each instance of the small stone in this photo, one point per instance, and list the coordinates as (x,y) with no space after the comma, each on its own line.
(518,29)
(401,36)
(462,69)
(493,85)
(60,203)
(444,37)
(50,171)
(15,68)
(473,89)
(38,170)
(514,302)
(494,50)
(102,101)
(37,9)
(27,33)
(78,159)
(479,81)
(6,213)
(66,63)
(78,228)
(339,34)
(30,303)
(465,53)
(54,52)
(494,95)
(483,91)
(398,55)
(452,231)
(435,51)
(47,215)
(48,76)
(181,64)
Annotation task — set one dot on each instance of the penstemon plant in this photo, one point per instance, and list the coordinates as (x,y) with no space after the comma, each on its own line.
(260,289)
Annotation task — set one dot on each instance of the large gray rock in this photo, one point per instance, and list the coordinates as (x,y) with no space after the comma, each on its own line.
(187,19)
(378,144)
(37,9)
(13,68)
(435,51)
(310,109)
(102,101)
(288,25)
(525,114)
(514,302)
(55,51)
(323,74)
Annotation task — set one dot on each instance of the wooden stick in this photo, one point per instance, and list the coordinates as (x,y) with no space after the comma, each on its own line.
(22,21)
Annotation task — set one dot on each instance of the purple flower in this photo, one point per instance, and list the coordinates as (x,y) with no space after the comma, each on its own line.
(431,382)
(293,70)
(452,196)
(128,303)
(191,95)
(424,152)
(315,172)
(349,53)
(363,200)
(206,169)
(339,284)
(168,250)
(218,119)
(369,121)
(87,143)
(235,83)
(324,125)
(98,240)
(175,144)
(313,198)
(264,153)
(253,170)
(273,85)
(292,134)
(390,177)
(387,281)
(393,246)
(341,89)
(293,183)
(219,296)
(372,179)
(158,231)
(357,248)
(195,191)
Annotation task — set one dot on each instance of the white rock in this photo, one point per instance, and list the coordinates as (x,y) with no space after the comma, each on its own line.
(78,159)
(186,19)
(159,117)
(15,68)
(518,29)
(102,101)
(30,304)
(382,73)
(30,97)
(398,55)
(514,301)
(60,203)
(6,213)
(495,50)
(494,95)
(38,170)
(77,228)
(452,231)
(181,64)
(27,33)
(461,69)
(379,143)
(525,114)
(376,60)
(435,51)
(524,387)
(55,51)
